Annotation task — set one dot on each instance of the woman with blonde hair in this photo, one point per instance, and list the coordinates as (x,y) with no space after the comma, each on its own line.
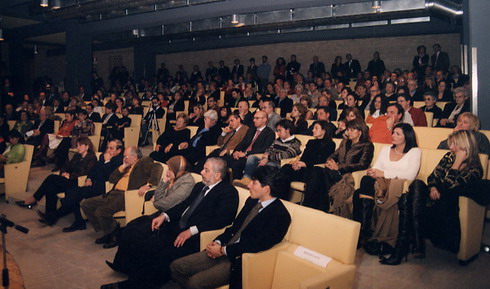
(433,209)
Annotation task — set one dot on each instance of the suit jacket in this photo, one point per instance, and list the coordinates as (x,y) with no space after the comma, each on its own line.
(111,123)
(233,141)
(418,116)
(47,127)
(145,171)
(286,105)
(264,231)
(263,141)
(442,61)
(95,117)
(101,172)
(357,158)
(79,166)
(317,68)
(238,70)
(353,69)
(248,119)
(216,210)
(208,138)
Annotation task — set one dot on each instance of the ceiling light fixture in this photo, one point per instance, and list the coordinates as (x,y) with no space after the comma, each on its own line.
(1,35)
(56,4)
(234,19)
(35,49)
(44,3)
(376,4)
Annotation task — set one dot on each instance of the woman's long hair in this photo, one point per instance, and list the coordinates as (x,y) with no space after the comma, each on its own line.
(83,140)
(361,126)
(409,134)
(466,141)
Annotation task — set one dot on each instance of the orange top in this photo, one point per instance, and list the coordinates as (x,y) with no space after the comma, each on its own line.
(379,132)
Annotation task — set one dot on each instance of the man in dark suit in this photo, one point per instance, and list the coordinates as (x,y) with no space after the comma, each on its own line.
(252,68)
(92,115)
(283,102)
(261,224)
(195,149)
(234,98)
(94,184)
(109,122)
(352,66)
(136,173)
(317,68)
(439,60)
(292,69)
(237,69)
(211,205)
(41,127)
(256,141)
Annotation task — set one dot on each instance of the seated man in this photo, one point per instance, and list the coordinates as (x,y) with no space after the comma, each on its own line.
(383,125)
(195,149)
(284,147)
(146,252)
(109,120)
(323,113)
(413,116)
(269,108)
(261,224)
(136,172)
(94,184)
(256,141)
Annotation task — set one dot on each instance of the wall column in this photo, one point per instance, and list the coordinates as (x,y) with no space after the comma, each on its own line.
(78,59)
(144,62)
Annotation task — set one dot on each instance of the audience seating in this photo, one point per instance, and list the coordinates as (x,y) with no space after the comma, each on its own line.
(132,133)
(17,176)
(279,268)
(440,104)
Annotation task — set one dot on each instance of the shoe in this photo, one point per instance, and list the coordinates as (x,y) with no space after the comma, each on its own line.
(48,218)
(103,239)
(243,183)
(75,227)
(24,205)
(113,242)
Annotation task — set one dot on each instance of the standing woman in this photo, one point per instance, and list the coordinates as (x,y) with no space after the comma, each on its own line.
(316,152)
(382,189)
(280,69)
(337,67)
(298,116)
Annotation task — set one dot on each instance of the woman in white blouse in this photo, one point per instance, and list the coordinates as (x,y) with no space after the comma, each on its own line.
(382,190)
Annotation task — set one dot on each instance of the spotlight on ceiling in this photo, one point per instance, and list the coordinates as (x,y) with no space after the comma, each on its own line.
(376,4)
(35,49)
(1,35)
(234,19)
(44,3)
(56,4)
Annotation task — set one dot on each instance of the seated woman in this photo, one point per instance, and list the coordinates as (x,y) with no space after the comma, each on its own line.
(306,101)
(451,110)
(196,118)
(444,91)
(430,105)
(139,245)
(382,189)
(432,210)
(53,140)
(121,123)
(377,108)
(24,123)
(79,165)
(470,122)
(136,107)
(354,154)
(298,116)
(316,152)
(175,104)
(350,101)
(350,114)
(14,153)
(169,142)
(84,127)
(224,114)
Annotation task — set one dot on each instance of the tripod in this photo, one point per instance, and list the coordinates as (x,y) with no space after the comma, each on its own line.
(151,126)
(4,223)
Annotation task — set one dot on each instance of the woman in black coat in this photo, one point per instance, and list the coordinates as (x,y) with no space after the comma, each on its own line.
(168,143)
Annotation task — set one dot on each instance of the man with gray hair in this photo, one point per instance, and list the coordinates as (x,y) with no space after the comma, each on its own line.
(136,173)
(207,135)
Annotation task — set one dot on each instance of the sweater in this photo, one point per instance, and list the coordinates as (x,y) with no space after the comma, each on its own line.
(405,168)
(283,149)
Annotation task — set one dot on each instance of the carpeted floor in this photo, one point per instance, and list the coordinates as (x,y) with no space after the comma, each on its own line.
(50,259)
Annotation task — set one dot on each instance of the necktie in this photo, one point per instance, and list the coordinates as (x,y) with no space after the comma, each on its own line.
(227,141)
(251,215)
(253,141)
(185,217)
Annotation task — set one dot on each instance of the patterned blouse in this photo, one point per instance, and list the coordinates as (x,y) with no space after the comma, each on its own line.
(444,178)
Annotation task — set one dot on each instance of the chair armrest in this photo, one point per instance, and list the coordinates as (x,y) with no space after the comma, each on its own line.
(258,268)
(81,180)
(209,149)
(357,176)
(133,205)
(340,278)
(208,236)
(287,161)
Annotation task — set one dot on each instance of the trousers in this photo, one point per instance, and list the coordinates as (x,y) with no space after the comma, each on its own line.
(99,210)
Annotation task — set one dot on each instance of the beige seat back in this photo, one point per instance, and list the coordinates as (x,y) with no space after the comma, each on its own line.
(17,175)
(193,129)
(430,137)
